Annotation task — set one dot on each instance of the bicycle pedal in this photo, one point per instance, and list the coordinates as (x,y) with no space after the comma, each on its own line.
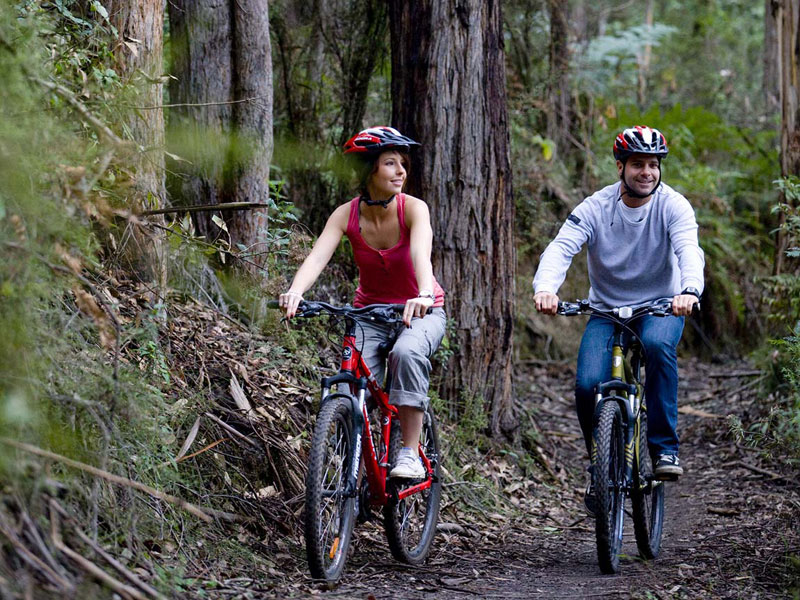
(666,477)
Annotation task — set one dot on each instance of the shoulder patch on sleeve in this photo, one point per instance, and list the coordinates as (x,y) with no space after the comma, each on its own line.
(574,219)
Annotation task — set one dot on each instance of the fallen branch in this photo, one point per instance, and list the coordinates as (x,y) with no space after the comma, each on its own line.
(97,548)
(728,512)
(233,431)
(187,506)
(29,557)
(761,471)
(91,568)
(751,373)
(203,208)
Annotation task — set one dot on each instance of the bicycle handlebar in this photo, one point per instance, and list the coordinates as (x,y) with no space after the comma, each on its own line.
(661,307)
(386,313)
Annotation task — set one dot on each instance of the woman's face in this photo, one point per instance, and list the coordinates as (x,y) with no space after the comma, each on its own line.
(388,176)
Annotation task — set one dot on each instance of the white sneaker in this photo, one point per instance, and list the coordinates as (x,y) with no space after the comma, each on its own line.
(407,465)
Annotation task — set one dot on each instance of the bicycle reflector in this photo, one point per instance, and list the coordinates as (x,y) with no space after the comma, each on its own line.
(625,312)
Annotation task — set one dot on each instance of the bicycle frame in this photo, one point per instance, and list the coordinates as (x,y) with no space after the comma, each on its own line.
(624,387)
(625,380)
(355,372)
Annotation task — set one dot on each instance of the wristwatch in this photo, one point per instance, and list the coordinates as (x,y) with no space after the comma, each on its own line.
(693,291)
(426,294)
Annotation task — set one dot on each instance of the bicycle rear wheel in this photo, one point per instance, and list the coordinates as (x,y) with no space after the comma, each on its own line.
(329,513)
(410,523)
(608,478)
(647,499)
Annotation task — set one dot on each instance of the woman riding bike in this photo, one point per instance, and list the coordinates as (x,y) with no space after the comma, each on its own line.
(391,236)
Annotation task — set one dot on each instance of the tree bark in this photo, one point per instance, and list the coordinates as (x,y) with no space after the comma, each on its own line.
(448,88)
(223,67)
(202,61)
(559,122)
(139,55)
(788,18)
(644,60)
(252,115)
(771,62)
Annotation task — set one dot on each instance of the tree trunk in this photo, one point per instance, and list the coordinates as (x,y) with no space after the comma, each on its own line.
(771,59)
(644,59)
(560,115)
(223,68)
(202,61)
(252,114)
(788,18)
(139,54)
(448,88)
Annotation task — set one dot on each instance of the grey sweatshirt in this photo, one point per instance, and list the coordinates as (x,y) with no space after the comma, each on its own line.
(631,261)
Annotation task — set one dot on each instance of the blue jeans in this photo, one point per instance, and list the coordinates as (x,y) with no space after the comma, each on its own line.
(660,337)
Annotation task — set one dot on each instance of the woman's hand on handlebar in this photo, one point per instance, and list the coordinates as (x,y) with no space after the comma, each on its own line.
(416,307)
(289,301)
(546,303)
(682,304)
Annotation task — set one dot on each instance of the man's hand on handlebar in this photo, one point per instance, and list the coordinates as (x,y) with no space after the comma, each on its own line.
(547,303)
(416,307)
(683,304)
(289,301)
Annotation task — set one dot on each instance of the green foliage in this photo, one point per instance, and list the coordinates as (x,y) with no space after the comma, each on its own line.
(605,67)
(779,431)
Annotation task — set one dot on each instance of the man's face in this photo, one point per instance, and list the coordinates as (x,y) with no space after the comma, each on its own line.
(642,172)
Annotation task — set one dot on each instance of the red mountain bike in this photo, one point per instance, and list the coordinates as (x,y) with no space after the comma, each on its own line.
(355,442)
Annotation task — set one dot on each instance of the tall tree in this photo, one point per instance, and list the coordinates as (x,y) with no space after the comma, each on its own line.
(252,122)
(788,20)
(644,59)
(771,61)
(448,90)
(560,110)
(223,85)
(139,56)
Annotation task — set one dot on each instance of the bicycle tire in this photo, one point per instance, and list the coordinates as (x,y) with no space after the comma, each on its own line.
(329,514)
(647,499)
(608,478)
(410,523)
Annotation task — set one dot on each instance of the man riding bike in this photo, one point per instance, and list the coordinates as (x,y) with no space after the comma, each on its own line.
(641,237)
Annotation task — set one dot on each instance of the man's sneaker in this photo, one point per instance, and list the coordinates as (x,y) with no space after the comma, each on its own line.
(407,466)
(589,497)
(668,467)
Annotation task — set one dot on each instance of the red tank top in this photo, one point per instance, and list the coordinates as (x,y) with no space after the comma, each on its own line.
(385,276)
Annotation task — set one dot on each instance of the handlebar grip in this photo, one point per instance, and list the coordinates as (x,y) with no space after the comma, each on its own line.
(272,304)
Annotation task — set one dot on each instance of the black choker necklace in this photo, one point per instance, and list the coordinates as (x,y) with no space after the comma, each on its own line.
(384,203)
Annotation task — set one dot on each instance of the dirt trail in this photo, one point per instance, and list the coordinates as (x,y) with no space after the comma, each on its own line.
(731,521)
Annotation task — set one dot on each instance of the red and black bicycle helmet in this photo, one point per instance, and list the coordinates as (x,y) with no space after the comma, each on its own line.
(374,140)
(640,140)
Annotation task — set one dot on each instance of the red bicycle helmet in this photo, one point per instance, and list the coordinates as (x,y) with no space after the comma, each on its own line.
(375,140)
(640,140)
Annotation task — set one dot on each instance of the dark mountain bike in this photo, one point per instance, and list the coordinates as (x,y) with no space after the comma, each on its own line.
(621,463)
(353,447)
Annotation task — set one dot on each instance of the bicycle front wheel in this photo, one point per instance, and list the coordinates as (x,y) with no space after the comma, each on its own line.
(329,511)
(609,485)
(647,499)
(410,523)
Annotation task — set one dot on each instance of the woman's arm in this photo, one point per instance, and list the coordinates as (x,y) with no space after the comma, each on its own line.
(418,221)
(317,259)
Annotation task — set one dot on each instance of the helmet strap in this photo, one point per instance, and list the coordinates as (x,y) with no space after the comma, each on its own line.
(370,202)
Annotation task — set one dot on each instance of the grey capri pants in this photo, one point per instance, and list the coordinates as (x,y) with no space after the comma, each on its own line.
(409,359)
